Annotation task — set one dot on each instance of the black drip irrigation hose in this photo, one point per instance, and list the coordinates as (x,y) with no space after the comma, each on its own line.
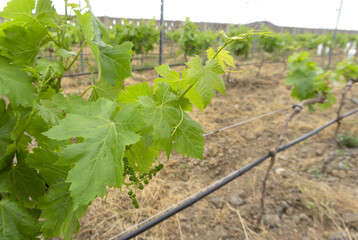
(134,70)
(228,179)
(170,65)
(173,65)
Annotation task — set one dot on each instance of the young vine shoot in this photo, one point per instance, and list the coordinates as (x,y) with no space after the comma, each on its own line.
(59,152)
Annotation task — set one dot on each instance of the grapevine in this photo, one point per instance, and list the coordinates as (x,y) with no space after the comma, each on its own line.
(59,152)
(144,36)
(312,86)
(191,40)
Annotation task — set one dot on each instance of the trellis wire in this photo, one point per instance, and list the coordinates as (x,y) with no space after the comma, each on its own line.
(247,121)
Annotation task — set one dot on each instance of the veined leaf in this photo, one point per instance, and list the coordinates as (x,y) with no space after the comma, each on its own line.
(207,80)
(7,123)
(16,85)
(64,53)
(302,76)
(162,113)
(132,93)
(188,139)
(113,62)
(44,161)
(142,157)
(99,159)
(45,13)
(224,57)
(16,222)
(23,44)
(48,111)
(168,75)
(21,12)
(60,218)
(25,182)
(103,89)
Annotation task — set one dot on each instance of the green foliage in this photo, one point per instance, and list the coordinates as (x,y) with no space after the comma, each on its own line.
(311,41)
(302,76)
(73,34)
(269,43)
(348,70)
(315,171)
(348,140)
(16,222)
(79,147)
(191,40)
(308,80)
(143,36)
(240,48)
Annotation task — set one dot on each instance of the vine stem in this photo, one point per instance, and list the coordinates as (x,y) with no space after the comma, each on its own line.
(330,158)
(109,207)
(296,110)
(181,120)
(43,84)
(78,54)
(52,39)
(86,90)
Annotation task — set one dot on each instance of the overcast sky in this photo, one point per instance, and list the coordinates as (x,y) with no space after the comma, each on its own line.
(295,13)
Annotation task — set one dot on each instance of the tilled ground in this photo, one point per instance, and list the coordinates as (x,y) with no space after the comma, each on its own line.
(300,202)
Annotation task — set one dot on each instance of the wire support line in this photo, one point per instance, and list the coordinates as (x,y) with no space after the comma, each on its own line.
(247,121)
(183,204)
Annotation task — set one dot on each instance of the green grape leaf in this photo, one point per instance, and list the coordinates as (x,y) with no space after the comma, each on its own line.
(302,85)
(4,182)
(59,216)
(206,78)
(25,182)
(141,156)
(98,159)
(7,123)
(168,75)
(7,158)
(48,111)
(39,126)
(64,53)
(105,90)
(113,62)
(189,140)
(44,161)
(132,93)
(22,43)
(20,11)
(16,222)
(162,113)
(46,68)
(193,95)
(16,85)
(302,76)
(70,103)
(224,58)
(45,13)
